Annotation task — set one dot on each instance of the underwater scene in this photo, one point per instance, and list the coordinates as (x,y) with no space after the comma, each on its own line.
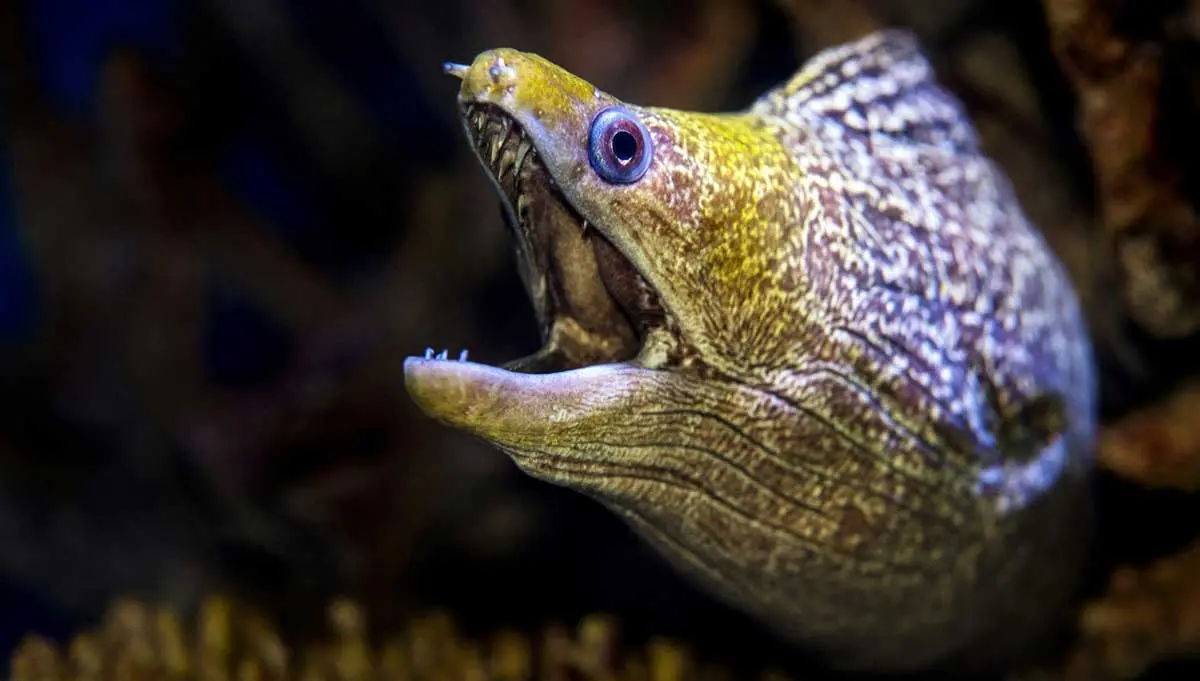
(608,340)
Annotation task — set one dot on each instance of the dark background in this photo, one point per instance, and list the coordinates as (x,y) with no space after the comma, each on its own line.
(224,224)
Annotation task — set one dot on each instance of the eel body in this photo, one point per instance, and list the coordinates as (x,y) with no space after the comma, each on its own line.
(813,351)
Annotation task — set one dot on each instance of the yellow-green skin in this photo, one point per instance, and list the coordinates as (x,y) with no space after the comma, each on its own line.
(866,417)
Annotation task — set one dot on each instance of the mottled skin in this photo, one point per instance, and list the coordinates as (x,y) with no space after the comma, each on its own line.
(817,355)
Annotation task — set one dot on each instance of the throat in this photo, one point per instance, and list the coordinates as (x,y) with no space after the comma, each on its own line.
(632,293)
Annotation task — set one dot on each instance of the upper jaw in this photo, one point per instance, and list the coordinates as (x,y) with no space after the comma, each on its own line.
(511,163)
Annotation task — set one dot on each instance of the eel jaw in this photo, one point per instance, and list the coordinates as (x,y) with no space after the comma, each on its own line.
(592,304)
(601,321)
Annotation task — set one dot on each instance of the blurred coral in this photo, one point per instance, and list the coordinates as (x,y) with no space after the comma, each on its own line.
(226,641)
(1158,446)
(1155,230)
(1146,616)
(824,23)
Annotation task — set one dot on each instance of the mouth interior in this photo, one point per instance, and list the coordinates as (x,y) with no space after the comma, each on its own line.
(592,303)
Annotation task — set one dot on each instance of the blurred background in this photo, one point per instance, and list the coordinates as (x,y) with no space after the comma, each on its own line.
(224,224)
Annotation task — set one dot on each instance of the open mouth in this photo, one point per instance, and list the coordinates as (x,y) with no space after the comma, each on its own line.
(591,302)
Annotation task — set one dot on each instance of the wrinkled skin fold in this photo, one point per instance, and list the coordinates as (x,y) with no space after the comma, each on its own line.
(816,354)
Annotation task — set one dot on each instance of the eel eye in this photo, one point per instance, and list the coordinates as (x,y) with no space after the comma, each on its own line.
(619,146)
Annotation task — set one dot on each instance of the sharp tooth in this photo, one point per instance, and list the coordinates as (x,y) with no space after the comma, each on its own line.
(493,149)
(443,354)
(521,205)
(428,353)
(462,356)
(496,144)
(585,229)
(522,152)
(505,164)
(508,155)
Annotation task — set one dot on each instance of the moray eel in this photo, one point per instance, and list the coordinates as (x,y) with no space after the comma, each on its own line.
(813,351)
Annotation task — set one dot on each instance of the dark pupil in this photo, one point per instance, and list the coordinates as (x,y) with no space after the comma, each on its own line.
(624,146)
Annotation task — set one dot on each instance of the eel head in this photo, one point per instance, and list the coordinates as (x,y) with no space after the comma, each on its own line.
(812,351)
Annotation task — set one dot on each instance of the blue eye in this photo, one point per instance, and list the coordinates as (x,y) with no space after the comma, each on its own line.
(619,146)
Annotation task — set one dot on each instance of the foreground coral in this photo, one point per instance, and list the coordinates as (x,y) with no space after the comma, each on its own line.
(1146,616)
(141,643)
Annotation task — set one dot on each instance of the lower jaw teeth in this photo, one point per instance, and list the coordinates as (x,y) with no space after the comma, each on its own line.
(444,354)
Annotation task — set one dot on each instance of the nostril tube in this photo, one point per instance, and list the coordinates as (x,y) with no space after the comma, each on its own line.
(501,72)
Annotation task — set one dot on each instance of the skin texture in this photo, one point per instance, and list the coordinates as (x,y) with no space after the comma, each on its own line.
(816,355)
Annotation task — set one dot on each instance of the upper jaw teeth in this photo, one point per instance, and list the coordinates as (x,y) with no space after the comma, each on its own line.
(512,161)
(478,118)
(497,143)
(522,152)
(499,139)
(504,156)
